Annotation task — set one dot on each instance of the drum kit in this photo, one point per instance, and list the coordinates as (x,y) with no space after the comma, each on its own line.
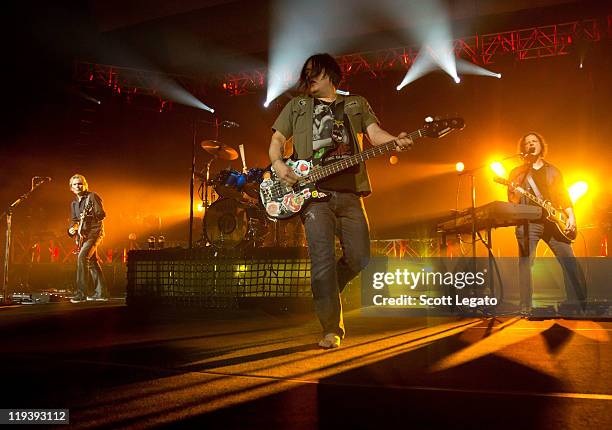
(233,215)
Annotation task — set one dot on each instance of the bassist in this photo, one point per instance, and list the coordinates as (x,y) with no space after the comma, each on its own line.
(323,122)
(87,214)
(545,181)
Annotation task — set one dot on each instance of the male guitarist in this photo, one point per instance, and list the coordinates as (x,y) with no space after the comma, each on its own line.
(328,127)
(87,214)
(545,181)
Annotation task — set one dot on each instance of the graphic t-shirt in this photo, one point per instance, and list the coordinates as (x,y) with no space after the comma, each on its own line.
(327,151)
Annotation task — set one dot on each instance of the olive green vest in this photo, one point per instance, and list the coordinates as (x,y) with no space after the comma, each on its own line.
(358,112)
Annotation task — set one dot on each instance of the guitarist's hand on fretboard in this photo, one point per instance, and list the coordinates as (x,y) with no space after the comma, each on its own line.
(403,142)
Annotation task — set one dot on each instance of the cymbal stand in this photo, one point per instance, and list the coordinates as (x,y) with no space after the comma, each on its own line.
(206,202)
(193,168)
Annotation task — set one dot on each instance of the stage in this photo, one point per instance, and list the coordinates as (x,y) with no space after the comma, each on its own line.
(169,124)
(115,368)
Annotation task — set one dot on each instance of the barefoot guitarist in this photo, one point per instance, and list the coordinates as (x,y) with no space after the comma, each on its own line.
(326,126)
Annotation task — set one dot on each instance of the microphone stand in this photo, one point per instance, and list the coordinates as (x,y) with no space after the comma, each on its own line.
(471,174)
(7,250)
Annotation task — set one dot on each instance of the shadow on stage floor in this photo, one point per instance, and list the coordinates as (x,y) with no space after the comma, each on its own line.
(114,368)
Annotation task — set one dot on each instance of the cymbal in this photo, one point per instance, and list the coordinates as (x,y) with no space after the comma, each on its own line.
(218,149)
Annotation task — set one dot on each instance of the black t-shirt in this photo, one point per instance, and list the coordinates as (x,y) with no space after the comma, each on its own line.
(327,151)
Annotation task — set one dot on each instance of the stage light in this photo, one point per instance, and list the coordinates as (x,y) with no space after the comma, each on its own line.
(200,207)
(171,90)
(499,170)
(457,79)
(466,68)
(393,159)
(577,190)
(266,103)
(423,64)
(460,167)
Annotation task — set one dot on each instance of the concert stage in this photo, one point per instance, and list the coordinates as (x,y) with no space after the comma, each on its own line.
(115,368)
(455,135)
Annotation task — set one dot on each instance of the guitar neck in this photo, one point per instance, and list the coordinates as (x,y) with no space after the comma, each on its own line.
(330,169)
(534,198)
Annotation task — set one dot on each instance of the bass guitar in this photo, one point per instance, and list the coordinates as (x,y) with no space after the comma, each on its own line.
(282,201)
(554,215)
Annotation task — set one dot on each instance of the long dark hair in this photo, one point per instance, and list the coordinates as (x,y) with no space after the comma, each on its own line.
(320,63)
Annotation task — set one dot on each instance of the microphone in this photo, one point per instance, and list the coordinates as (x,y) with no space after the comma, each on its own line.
(528,154)
(230,124)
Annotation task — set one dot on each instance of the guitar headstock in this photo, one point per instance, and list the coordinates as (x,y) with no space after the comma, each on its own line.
(505,182)
(441,127)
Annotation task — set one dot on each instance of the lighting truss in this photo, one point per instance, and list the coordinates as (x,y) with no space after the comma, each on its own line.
(483,50)
(133,81)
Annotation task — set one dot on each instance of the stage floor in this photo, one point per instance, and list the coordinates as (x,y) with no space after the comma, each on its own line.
(114,368)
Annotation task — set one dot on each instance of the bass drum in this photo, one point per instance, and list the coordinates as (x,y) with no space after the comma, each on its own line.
(226,223)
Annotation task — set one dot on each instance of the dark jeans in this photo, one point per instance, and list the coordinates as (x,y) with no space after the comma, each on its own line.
(343,216)
(89,265)
(575,284)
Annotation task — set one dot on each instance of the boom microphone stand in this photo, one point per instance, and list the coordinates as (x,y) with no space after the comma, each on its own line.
(36,182)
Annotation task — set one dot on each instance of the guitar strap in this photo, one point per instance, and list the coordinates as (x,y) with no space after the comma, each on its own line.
(533,186)
(87,200)
(339,112)
(338,128)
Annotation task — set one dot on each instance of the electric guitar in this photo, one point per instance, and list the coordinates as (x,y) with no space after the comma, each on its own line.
(282,201)
(555,215)
(79,226)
